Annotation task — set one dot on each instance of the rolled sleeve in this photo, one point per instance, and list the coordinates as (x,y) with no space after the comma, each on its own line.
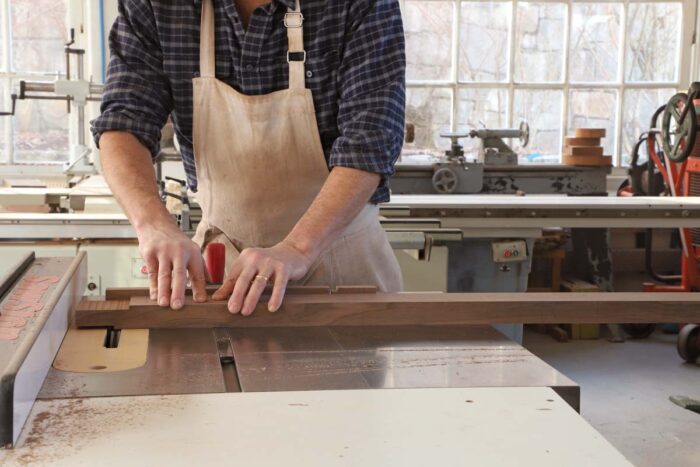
(137,96)
(371,106)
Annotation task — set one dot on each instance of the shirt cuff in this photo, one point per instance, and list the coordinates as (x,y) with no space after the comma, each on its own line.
(147,134)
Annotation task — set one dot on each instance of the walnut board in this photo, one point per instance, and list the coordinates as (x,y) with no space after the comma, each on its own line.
(387,309)
(125,293)
(589,132)
(587,161)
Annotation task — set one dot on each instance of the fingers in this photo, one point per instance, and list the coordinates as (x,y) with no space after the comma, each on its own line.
(250,274)
(164,280)
(240,288)
(226,288)
(152,266)
(197,271)
(281,279)
(178,282)
(257,287)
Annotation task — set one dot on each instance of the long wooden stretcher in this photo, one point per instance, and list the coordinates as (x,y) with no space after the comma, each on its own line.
(390,309)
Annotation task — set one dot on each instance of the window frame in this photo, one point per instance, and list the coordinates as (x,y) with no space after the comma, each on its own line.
(688,63)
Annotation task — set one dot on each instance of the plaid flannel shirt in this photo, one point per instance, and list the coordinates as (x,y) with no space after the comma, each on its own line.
(355,69)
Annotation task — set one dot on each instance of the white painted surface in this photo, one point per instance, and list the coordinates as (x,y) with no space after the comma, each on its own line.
(393,427)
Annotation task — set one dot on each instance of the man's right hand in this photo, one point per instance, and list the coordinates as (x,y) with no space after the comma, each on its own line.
(169,254)
(170,257)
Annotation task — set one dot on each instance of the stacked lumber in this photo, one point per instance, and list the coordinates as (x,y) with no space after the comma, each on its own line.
(585,148)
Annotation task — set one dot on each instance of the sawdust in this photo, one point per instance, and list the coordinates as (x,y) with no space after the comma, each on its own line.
(66,426)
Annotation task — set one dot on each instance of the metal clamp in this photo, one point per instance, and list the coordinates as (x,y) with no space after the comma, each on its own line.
(11,113)
(293,19)
(303,60)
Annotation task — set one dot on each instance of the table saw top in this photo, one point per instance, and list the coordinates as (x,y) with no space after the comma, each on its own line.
(183,361)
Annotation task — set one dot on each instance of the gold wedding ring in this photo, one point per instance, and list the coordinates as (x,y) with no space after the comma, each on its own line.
(260,276)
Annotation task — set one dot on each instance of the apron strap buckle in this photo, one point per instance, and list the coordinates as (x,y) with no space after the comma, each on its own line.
(293,19)
(296,56)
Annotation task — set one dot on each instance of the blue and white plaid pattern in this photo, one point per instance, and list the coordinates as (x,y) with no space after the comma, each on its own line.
(355,69)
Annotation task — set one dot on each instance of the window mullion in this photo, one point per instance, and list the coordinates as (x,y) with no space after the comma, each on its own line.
(5,44)
(456,25)
(617,157)
(684,60)
(511,65)
(565,97)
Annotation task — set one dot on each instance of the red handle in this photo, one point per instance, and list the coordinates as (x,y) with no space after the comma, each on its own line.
(216,262)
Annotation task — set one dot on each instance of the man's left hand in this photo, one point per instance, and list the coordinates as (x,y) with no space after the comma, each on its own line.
(252,271)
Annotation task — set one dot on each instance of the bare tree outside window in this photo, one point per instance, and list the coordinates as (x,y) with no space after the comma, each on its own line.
(39,131)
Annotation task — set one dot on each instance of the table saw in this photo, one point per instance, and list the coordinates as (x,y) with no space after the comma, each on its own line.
(189,384)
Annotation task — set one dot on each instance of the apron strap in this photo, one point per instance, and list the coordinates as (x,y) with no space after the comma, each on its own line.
(296,55)
(207,46)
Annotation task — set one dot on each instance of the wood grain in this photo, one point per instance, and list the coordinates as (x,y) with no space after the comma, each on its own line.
(589,132)
(574,141)
(583,151)
(586,161)
(384,309)
(125,293)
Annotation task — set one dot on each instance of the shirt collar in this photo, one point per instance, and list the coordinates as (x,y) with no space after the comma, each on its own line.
(274,3)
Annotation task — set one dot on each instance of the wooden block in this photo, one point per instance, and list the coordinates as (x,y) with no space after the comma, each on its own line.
(587,331)
(590,132)
(587,142)
(392,309)
(581,331)
(587,161)
(583,151)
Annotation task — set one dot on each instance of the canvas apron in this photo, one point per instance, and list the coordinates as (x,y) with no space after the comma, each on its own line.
(260,164)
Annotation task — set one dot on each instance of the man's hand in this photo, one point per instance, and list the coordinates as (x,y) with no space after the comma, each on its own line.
(247,279)
(169,256)
(168,253)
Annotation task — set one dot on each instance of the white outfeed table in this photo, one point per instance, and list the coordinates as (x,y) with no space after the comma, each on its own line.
(395,427)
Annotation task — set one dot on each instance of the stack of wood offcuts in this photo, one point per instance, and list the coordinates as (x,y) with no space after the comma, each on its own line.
(585,148)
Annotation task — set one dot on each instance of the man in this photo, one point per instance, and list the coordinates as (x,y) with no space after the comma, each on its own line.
(290,118)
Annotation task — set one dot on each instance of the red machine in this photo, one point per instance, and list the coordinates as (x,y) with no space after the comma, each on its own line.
(674,171)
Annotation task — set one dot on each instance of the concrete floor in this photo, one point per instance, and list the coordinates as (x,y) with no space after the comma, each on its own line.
(624,394)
